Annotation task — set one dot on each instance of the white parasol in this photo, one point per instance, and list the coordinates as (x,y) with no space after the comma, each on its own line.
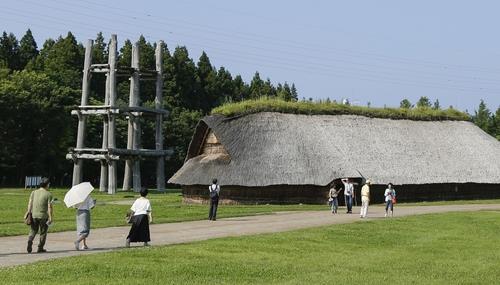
(77,194)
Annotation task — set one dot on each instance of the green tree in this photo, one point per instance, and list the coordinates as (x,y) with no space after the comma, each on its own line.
(295,94)
(256,86)
(64,61)
(185,88)
(9,50)
(179,128)
(284,92)
(28,50)
(207,78)
(99,55)
(482,116)
(39,127)
(436,105)
(268,89)
(241,89)
(494,124)
(43,55)
(423,102)
(224,86)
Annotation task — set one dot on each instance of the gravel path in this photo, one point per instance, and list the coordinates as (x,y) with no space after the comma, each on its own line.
(13,249)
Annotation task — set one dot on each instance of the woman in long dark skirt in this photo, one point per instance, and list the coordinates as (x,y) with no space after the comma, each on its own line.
(141,217)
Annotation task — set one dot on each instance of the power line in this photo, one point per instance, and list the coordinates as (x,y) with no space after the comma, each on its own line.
(237,34)
(428,75)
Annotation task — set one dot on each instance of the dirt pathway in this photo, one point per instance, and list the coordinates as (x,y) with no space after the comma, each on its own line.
(13,249)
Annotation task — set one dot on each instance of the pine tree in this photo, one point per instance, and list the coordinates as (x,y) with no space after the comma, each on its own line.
(186,90)
(436,105)
(224,86)
(125,56)
(256,86)
(28,50)
(295,95)
(9,50)
(284,92)
(64,62)
(423,102)
(147,54)
(207,80)
(268,89)
(482,116)
(494,125)
(99,50)
(241,89)
(43,55)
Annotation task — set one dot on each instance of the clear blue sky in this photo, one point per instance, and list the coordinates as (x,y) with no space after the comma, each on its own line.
(368,51)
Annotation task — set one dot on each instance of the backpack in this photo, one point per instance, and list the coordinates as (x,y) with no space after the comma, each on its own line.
(213,192)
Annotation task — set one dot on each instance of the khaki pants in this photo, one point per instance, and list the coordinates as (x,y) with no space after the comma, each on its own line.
(38,225)
(364,206)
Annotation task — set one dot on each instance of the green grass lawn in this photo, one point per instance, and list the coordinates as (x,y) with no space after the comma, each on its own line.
(452,248)
(167,207)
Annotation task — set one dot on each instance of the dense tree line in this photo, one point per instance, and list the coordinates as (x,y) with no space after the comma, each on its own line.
(39,87)
(482,117)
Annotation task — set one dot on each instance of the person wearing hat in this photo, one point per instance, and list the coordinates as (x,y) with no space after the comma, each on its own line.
(365,198)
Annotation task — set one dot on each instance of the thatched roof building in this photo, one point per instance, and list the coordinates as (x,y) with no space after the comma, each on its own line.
(275,157)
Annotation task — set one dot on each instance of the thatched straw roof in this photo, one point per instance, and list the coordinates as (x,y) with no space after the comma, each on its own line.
(275,149)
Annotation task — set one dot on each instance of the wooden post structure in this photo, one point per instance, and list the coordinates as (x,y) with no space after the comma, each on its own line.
(80,139)
(111,116)
(160,164)
(108,155)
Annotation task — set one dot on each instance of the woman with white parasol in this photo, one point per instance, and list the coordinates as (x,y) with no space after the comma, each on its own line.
(79,197)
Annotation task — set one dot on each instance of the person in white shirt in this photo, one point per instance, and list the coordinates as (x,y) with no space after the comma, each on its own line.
(214,191)
(365,198)
(141,218)
(348,194)
(390,197)
(83,221)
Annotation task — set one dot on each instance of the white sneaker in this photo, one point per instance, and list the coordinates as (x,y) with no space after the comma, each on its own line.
(77,245)
(385,216)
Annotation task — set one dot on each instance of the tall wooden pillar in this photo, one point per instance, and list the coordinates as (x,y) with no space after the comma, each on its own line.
(160,164)
(103,181)
(133,139)
(135,102)
(80,139)
(111,116)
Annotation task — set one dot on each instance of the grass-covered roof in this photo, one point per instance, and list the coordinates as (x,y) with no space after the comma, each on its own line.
(269,148)
(332,108)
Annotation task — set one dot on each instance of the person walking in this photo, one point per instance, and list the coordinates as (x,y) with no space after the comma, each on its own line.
(214,200)
(141,218)
(390,198)
(333,197)
(83,221)
(40,207)
(348,194)
(365,198)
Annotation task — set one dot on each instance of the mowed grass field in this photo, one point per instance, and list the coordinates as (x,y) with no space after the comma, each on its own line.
(111,209)
(452,248)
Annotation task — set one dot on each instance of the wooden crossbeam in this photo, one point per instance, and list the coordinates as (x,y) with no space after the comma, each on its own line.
(104,110)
